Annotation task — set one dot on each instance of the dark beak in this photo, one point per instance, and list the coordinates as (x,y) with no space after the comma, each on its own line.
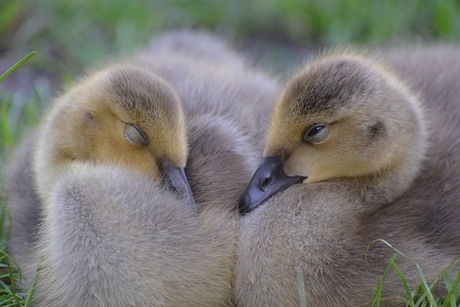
(174,178)
(268,180)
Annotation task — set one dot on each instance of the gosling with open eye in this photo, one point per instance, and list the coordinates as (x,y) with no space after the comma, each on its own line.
(352,157)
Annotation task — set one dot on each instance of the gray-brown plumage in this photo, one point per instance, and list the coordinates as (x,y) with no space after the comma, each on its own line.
(132,242)
(112,238)
(366,146)
(23,205)
(212,79)
(227,105)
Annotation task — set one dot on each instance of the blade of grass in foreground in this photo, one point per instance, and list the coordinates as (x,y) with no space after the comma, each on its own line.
(30,296)
(453,293)
(403,280)
(17,65)
(6,258)
(427,290)
(378,292)
(450,297)
(424,294)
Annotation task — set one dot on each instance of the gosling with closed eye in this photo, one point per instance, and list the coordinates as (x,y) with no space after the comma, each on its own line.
(111,231)
(83,127)
(351,157)
(123,115)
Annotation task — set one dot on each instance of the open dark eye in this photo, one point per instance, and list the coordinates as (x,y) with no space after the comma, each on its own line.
(135,135)
(316,133)
(315,130)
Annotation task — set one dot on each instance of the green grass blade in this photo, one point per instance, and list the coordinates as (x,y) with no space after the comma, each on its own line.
(421,297)
(5,289)
(30,296)
(426,290)
(13,285)
(446,279)
(426,287)
(4,128)
(453,290)
(17,65)
(424,293)
(378,292)
(403,280)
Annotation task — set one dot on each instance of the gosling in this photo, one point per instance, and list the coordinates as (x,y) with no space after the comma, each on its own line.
(351,157)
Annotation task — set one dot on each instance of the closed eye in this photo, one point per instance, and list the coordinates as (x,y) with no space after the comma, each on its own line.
(134,135)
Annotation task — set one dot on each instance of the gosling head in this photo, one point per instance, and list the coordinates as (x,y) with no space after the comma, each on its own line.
(124,115)
(342,117)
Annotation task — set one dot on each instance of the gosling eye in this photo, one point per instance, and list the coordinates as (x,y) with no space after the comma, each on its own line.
(134,135)
(316,133)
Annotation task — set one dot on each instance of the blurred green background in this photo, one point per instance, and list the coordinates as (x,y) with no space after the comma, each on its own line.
(70,35)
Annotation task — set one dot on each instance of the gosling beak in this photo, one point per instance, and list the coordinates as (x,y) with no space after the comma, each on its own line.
(268,180)
(174,178)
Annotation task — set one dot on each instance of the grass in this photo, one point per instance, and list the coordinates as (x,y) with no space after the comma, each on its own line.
(7,128)
(423,296)
(72,35)
(10,271)
(17,65)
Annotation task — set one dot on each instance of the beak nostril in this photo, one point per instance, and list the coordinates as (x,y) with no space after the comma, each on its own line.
(269,179)
(175,180)
(264,183)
